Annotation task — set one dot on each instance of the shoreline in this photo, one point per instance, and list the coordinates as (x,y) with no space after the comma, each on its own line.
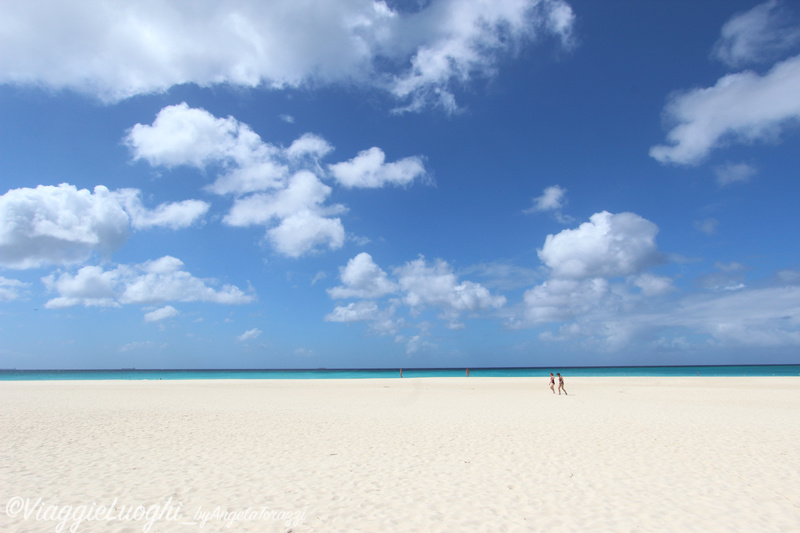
(411,454)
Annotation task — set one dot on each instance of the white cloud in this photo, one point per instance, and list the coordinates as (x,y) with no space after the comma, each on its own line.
(369,170)
(553,198)
(275,187)
(757,35)
(305,231)
(304,192)
(652,285)
(733,173)
(175,215)
(91,286)
(438,286)
(742,108)
(181,135)
(362,278)
(161,313)
(354,312)
(152,282)
(59,225)
(249,335)
(114,51)
(608,245)
(559,300)
(309,145)
(420,286)
(64,225)
(464,39)
(10,289)
(582,261)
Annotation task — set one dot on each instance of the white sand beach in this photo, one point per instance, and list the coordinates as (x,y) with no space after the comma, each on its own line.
(427,454)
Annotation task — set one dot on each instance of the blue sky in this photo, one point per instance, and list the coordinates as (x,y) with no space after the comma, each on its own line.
(398,184)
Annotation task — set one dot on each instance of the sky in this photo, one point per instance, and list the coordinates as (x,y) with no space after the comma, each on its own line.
(383,184)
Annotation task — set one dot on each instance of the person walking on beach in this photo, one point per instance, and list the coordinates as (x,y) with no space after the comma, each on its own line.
(561,384)
(552,383)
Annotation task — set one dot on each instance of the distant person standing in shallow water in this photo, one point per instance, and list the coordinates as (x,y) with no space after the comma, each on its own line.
(561,384)
(552,383)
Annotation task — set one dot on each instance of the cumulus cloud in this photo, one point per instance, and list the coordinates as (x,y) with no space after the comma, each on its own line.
(757,35)
(362,278)
(62,225)
(583,262)
(417,285)
(369,170)
(437,285)
(181,135)
(115,51)
(161,313)
(249,335)
(306,231)
(302,221)
(59,225)
(608,245)
(10,289)
(153,282)
(279,188)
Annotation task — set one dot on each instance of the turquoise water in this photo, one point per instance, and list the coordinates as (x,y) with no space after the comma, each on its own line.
(655,371)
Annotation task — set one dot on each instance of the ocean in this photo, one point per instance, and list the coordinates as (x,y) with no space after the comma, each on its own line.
(363,373)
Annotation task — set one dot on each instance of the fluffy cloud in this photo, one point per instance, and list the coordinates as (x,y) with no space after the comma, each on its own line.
(161,313)
(181,135)
(59,225)
(369,170)
(64,225)
(10,289)
(152,282)
(362,278)
(305,231)
(757,35)
(303,192)
(437,285)
(114,51)
(303,222)
(607,246)
(420,285)
(582,262)
(175,215)
(275,187)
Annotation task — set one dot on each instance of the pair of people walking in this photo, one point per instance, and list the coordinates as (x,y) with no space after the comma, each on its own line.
(560,383)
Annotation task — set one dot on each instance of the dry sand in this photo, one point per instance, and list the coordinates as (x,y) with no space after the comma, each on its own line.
(426,454)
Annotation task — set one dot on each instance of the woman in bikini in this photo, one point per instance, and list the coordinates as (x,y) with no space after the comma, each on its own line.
(552,383)
(561,384)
